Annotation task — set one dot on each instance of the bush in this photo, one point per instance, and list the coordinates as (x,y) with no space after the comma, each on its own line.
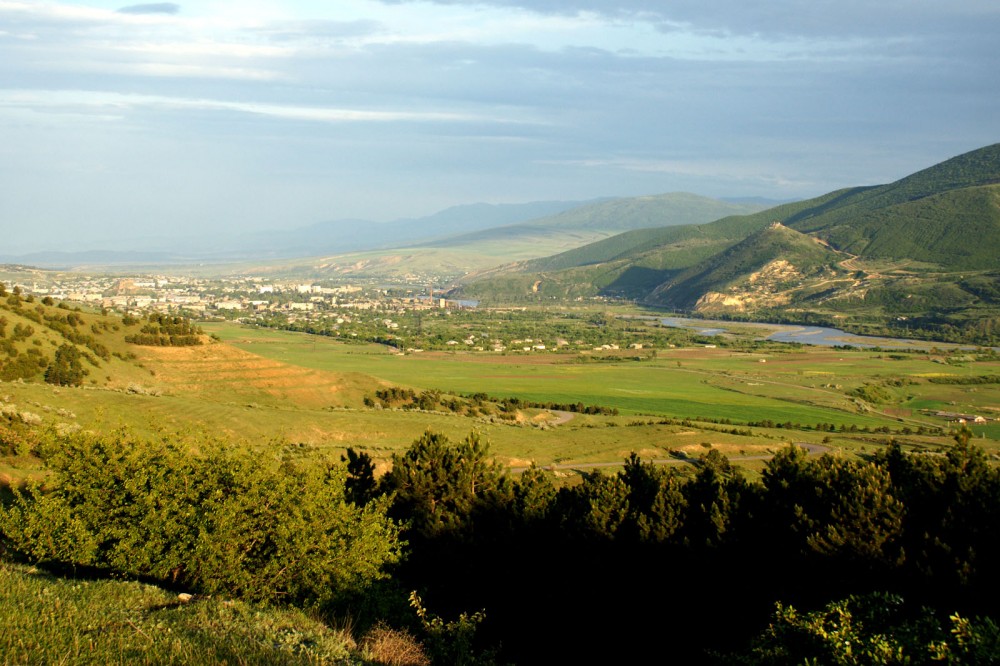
(226,521)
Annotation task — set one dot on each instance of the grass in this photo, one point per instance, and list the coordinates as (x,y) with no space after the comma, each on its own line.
(51,620)
(678,383)
(264,386)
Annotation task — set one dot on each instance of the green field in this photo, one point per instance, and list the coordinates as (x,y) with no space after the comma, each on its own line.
(679,383)
(804,386)
(261,386)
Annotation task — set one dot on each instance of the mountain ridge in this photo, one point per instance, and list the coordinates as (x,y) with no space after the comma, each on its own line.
(926,246)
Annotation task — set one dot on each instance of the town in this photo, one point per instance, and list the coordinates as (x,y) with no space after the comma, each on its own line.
(406,317)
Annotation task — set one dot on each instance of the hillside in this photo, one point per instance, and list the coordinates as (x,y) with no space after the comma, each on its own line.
(901,248)
(452,256)
(616,215)
(39,335)
(118,621)
(628,265)
(764,268)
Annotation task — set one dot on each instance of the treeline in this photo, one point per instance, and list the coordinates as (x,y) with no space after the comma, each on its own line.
(575,407)
(472,404)
(163,330)
(651,564)
(966,380)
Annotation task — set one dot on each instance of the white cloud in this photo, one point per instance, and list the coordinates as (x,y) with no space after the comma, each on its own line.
(333,104)
(76,101)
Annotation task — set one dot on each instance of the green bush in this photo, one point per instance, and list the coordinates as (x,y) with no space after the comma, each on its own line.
(224,521)
(873,629)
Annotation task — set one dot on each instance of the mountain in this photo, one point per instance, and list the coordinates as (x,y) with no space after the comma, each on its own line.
(766,266)
(358,235)
(347,235)
(927,245)
(628,265)
(453,256)
(948,214)
(617,215)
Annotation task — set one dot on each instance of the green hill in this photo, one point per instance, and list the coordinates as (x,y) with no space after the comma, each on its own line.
(615,215)
(761,268)
(932,215)
(901,247)
(42,339)
(628,265)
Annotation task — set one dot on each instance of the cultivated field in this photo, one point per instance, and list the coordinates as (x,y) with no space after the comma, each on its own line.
(261,387)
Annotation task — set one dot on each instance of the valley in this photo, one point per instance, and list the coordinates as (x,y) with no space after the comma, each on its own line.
(418,415)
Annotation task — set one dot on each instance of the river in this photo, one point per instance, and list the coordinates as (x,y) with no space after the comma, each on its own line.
(809,335)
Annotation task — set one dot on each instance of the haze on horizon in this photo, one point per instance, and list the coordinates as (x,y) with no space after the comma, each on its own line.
(121,122)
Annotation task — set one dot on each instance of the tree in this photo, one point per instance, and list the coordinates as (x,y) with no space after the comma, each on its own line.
(435,484)
(656,504)
(65,368)
(360,486)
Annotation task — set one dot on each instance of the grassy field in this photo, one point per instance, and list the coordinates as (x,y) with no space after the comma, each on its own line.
(262,386)
(807,385)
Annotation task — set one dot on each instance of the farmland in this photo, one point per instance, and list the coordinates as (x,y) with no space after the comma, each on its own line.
(798,385)
(261,386)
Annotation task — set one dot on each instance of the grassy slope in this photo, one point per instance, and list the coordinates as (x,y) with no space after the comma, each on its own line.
(116,371)
(51,620)
(958,229)
(927,216)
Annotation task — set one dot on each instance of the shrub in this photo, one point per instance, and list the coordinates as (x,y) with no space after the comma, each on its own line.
(226,521)
(393,647)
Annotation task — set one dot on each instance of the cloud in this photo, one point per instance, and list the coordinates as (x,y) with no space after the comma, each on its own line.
(282,113)
(47,101)
(151,8)
(318,29)
(776,18)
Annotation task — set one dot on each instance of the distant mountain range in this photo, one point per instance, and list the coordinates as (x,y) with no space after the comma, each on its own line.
(926,246)
(470,235)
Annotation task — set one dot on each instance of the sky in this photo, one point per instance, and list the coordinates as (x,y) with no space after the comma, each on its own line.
(121,122)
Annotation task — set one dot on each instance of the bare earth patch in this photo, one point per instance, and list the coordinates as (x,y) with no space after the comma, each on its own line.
(223,368)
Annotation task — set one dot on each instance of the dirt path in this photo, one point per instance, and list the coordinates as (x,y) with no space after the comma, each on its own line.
(811,449)
(561,417)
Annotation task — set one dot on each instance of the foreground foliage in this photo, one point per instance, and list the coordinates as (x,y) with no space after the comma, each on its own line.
(616,568)
(873,630)
(652,556)
(221,521)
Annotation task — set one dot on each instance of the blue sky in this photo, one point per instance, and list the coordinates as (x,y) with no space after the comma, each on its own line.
(119,122)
